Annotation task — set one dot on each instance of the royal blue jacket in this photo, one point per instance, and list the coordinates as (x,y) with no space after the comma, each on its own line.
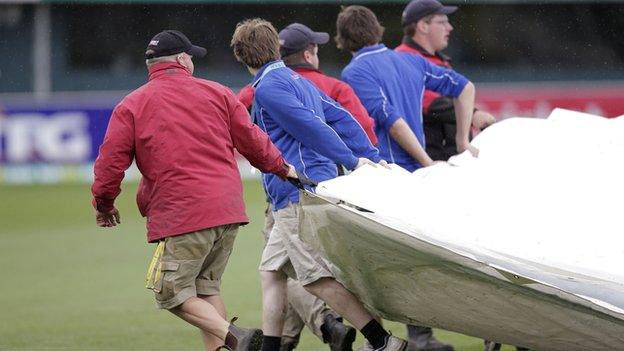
(391,86)
(312,131)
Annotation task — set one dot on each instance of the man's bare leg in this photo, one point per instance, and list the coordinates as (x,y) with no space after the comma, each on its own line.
(341,300)
(204,316)
(273,302)
(211,342)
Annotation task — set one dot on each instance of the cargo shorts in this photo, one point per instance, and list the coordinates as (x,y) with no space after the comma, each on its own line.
(286,252)
(190,264)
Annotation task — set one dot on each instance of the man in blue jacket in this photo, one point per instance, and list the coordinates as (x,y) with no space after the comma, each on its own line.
(314,133)
(386,82)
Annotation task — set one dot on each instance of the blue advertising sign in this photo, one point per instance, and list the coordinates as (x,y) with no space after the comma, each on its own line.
(50,145)
(52,136)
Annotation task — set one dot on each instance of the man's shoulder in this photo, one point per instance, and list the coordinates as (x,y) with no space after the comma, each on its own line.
(211,85)
(411,58)
(135,96)
(320,77)
(278,79)
(353,67)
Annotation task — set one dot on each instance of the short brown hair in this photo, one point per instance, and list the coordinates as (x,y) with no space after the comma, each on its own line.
(410,29)
(298,57)
(255,42)
(357,27)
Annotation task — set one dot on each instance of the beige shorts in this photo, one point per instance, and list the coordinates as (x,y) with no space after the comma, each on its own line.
(286,252)
(191,264)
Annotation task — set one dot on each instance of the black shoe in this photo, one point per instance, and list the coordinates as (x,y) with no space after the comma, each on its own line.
(491,345)
(339,336)
(243,339)
(422,339)
(289,343)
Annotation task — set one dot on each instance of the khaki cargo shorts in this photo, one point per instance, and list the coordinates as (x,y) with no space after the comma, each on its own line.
(286,251)
(190,264)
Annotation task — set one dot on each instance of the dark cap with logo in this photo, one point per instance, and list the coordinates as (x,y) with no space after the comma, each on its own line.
(171,42)
(296,37)
(418,9)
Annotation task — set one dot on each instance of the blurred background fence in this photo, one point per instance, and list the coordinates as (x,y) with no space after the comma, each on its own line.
(65,64)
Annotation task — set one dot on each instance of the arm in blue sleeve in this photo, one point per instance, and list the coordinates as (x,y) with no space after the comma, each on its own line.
(303,124)
(445,81)
(349,130)
(372,96)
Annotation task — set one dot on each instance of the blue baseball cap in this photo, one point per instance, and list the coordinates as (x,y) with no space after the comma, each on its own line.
(296,37)
(418,9)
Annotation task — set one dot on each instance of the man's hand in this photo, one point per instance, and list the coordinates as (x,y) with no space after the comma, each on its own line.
(292,173)
(467,146)
(482,120)
(107,219)
(364,161)
(384,164)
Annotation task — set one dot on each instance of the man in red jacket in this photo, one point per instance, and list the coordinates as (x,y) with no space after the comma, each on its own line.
(182,132)
(299,50)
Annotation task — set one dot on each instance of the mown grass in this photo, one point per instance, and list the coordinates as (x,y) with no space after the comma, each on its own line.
(69,285)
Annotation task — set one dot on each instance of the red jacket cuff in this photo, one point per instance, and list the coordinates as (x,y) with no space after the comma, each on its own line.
(283,170)
(103,205)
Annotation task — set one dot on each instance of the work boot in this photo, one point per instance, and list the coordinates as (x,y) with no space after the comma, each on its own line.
(491,345)
(289,343)
(393,344)
(422,339)
(339,336)
(243,339)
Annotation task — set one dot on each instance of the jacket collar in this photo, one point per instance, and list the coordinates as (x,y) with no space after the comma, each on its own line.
(303,67)
(264,70)
(369,50)
(408,41)
(158,69)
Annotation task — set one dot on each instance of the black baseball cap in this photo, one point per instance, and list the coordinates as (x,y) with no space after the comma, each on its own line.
(296,37)
(418,9)
(170,42)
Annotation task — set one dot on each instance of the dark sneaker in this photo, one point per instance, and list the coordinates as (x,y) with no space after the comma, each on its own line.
(243,339)
(431,344)
(289,343)
(393,344)
(339,336)
(422,339)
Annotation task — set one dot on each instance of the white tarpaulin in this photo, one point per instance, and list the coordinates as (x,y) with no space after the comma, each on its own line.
(523,245)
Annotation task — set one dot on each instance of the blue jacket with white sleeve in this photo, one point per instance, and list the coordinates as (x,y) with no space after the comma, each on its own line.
(312,131)
(391,86)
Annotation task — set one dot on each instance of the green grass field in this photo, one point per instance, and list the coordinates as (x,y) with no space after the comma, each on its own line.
(69,285)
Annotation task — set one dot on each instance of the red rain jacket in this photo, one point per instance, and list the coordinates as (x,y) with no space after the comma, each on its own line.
(182,132)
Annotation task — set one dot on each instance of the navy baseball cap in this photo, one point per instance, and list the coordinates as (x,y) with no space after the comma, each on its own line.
(418,9)
(170,42)
(296,37)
